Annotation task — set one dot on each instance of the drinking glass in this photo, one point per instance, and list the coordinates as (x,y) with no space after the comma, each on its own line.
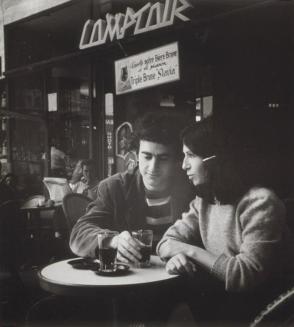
(106,253)
(145,238)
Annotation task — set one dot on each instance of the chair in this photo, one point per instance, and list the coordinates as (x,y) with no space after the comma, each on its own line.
(279,313)
(74,206)
(57,187)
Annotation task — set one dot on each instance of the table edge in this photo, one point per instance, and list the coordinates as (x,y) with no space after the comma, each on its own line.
(60,288)
(89,290)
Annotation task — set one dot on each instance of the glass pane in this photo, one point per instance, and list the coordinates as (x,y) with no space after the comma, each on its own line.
(28,147)
(46,35)
(27,94)
(68,95)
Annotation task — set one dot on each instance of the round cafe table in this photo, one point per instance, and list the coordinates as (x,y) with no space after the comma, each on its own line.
(61,278)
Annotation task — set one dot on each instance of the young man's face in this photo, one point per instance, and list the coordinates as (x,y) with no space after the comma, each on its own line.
(157,164)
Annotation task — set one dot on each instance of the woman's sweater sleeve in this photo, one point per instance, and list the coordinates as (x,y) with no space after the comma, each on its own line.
(262,221)
(185,230)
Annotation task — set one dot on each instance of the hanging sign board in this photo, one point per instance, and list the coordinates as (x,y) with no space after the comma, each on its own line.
(157,66)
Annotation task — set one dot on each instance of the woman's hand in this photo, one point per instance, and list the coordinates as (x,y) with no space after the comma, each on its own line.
(128,249)
(171,247)
(180,264)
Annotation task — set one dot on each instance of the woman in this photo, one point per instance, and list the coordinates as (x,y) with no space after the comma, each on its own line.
(77,173)
(87,183)
(235,229)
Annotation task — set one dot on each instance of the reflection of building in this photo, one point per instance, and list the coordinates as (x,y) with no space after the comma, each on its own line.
(131,160)
(123,80)
(123,137)
(239,67)
(125,158)
(128,162)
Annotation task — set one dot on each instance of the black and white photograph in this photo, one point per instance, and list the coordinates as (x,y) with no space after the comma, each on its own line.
(147,163)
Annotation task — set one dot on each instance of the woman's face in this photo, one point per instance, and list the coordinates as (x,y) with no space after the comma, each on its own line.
(88,173)
(194,166)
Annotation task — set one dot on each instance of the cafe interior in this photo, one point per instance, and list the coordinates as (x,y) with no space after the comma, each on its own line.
(60,98)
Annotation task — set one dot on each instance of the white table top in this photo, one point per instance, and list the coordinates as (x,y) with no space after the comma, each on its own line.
(61,275)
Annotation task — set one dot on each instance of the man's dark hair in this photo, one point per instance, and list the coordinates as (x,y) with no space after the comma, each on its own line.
(159,127)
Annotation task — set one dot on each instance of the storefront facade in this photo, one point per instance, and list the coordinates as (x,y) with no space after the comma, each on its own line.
(80,73)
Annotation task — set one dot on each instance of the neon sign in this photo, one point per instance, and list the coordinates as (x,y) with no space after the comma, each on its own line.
(150,17)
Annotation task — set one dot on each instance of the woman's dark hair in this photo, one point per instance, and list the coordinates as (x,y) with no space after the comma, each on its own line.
(241,161)
(198,137)
(88,162)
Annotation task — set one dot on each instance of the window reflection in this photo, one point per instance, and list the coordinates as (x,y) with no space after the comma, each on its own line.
(68,112)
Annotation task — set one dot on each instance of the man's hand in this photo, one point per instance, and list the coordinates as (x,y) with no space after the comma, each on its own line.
(180,264)
(128,249)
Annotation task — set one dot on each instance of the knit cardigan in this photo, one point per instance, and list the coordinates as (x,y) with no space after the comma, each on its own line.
(250,239)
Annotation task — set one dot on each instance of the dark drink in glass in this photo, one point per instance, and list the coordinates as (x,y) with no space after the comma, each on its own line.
(145,239)
(145,252)
(107,259)
(106,253)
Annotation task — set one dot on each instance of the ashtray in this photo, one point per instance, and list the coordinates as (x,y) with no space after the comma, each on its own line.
(120,269)
(84,264)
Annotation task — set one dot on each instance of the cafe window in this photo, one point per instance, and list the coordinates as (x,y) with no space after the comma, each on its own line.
(49,108)
(46,35)
(28,144)
(25,144)
(68,103)
(26,96)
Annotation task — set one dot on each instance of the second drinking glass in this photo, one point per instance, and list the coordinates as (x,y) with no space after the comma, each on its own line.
(145,238)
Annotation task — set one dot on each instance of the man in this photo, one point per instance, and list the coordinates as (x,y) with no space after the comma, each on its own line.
(87,185)
(151,196)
